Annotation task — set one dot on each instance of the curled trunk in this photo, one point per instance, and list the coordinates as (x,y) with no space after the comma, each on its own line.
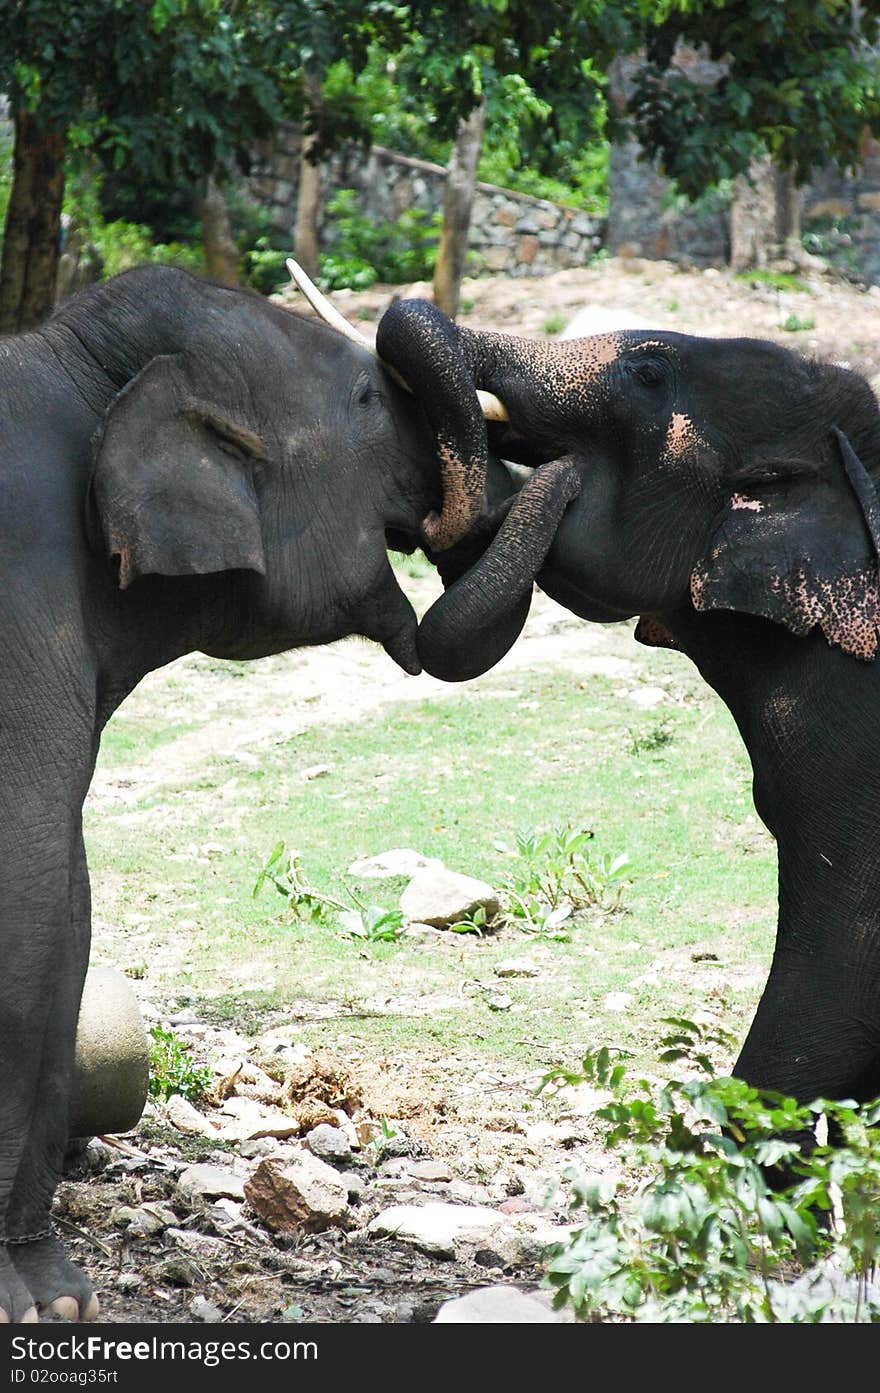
(476,621)
(426,348)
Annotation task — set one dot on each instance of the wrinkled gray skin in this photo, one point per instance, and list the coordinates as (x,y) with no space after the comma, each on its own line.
(182,467)
(725,491)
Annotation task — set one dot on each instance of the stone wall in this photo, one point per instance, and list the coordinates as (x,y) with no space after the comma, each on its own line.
(511,233)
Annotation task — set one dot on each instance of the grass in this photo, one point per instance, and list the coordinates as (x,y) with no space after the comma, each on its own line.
(776,280)
(454,775)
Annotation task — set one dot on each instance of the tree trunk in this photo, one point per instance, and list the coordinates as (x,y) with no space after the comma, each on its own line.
(221,253)
(753,239)
(32,237)
(308,198)
(457,203)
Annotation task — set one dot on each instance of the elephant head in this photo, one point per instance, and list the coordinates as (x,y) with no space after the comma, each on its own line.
(263,452)
(689,474)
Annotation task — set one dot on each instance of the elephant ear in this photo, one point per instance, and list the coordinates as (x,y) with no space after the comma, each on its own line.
(801,551)
(171,492)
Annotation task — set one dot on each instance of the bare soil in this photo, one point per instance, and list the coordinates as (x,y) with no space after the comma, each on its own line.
(498,1146)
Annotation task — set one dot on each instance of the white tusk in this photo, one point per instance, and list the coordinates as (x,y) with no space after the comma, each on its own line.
(323,307)
(492,408)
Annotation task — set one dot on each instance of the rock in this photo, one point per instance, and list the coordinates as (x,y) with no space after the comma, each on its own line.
(355,1185)
(442,1230)
(209,1182)
(244,1119)
(182,1115)
(300,1193)
(205,1310)
(618,1001)
(523,1239)
(427,1170)
(329,1144)
(438,896)
(199,1245)
(400,861)
(495,1306)
(112,1070)
(263,1146)
(647,697)
(516,967)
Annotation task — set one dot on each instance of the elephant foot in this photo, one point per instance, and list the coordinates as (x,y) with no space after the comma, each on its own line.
(56,1285)
(16,1302)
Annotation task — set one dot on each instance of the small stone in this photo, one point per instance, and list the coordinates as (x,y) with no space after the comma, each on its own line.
(494,1306)
(302,1193)
(617,1001)
(439,896)
(329,1144)
(128,1281)
(182,1115)
(205,1310)
(439,1229)
(199,1245)
(399,861)
(516,967)
(648,697)
(427,1170)
(261,1146)
(316,771)
(501,1002)
(209,1182)
(355,1185)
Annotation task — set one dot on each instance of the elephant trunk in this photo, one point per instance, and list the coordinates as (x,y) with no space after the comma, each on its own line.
(426,348)
(476,621)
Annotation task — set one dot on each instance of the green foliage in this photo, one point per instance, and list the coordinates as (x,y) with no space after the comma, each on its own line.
(655,738)
(554,323)
(795,325)
(173,1069)
(740,1188)
(372,923)
(800,81)
(363,251)
(118,245)
(776,280)
(560,872)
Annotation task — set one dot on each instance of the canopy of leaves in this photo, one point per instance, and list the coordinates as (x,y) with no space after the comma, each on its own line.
(800,80)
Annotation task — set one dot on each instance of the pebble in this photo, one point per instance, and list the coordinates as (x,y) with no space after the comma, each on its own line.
(329,1144)
(209,1182)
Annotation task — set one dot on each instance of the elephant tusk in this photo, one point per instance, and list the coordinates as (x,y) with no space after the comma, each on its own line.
(491,407)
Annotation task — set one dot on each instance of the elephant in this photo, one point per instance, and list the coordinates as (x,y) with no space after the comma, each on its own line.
(185,467)
(722,492)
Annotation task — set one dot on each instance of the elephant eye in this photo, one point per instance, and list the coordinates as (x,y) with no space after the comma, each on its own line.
(649,373)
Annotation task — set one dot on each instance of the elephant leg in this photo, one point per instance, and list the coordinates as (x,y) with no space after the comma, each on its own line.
(55,1284)
(816,1032)
(44,916)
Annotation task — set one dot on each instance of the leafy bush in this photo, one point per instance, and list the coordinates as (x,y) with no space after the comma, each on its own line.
(732,1205)
(283,870)
(173,1069)
(558,873)
(362,251)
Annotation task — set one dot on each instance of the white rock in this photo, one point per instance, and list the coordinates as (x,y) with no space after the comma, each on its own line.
(495,1306)
(243,1119)
(438,896)
(516,967)
(647,697)
(439,1229)
(209,1182)
(399,861)
(182,1115)
(617,1001)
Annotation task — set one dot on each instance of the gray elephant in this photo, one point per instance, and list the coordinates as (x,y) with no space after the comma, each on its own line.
(725,492)
(184,467)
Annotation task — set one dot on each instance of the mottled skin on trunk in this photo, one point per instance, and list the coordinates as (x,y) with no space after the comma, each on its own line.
(728,495)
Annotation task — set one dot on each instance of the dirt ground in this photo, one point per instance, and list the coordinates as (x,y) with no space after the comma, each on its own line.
(160,1255)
